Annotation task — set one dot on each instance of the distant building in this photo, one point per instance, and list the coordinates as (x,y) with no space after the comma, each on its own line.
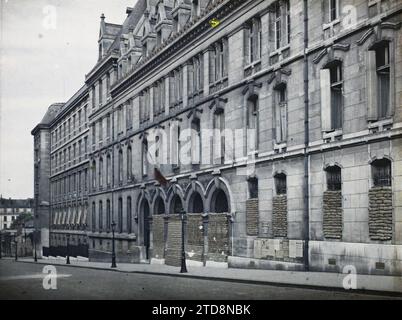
(10,209)
(315,185)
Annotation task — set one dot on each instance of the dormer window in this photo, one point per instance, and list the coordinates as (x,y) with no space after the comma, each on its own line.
(196,9)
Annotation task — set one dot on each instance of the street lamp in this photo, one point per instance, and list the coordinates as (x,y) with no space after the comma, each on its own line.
(113,248)
(183,251)
(1,245)
(68,249)
(25,240)
(34,241)
(16,248)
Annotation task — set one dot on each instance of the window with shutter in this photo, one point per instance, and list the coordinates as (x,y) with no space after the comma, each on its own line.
(325,86)
(247,55)
(212,78)
(383,79)
(281,117)
(336,95)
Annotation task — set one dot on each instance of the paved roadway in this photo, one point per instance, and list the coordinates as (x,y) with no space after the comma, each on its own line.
(25,281)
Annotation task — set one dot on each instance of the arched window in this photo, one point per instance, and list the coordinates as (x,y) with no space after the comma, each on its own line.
(381,170)
(93,217)
(93,174)
(108,170)
(120,166)
(220,202)
(144,157)
(100,173)
(280,184)
(219,137)
(252,123)
(196,141)
(100,216)
(196,204)
(129,216)
(159,206)
(129,163)
(108,216)
(253,188)
(120,216)
(177,205)
(334,178)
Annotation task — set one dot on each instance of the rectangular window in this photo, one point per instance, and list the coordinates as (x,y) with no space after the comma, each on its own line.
(129,115)
(252,38)
(120,216)
(331,82)
(281,113)
(336,96)
(333,9)
(383,80)
(100,90)
(108,128)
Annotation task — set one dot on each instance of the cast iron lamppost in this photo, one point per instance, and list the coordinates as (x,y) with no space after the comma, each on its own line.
(34,241)
(1,245)
(183,217)
(68,249)
(16,248)
(113,248)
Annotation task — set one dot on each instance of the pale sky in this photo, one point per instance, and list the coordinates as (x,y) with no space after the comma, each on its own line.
(47,47)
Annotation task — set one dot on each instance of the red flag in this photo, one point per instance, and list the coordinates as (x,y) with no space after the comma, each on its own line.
(160,177)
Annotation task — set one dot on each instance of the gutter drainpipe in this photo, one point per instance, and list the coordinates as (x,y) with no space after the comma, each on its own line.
(306,218)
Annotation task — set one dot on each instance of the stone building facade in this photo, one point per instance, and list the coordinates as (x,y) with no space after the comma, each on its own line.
(10,209)
(276,125)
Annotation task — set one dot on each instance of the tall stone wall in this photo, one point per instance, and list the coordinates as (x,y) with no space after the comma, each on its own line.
(252,217)
(380,213)
(158,228)
(280,216)
(332,210)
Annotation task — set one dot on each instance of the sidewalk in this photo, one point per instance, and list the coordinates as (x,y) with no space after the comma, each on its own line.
(318,280)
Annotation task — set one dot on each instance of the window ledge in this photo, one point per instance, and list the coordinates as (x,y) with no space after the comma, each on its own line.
(252,64)
(331,24)
(381,124)
(279,51)
(332,136)
(280,147)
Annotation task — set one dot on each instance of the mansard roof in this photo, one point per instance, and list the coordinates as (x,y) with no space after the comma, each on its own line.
(52,113)
(131,21)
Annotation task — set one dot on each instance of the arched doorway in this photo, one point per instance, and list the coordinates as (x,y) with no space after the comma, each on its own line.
(159,206)
(196,204)
(145,230)
(176,205)
(220,202)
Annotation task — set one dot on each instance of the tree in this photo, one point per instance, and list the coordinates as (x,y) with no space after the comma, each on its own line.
(21,220)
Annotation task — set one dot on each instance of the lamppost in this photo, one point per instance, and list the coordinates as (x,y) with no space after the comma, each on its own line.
(183,217)
(1,245)
(16,248)
(25,240)
(68,249)
(113,248)
(34,241)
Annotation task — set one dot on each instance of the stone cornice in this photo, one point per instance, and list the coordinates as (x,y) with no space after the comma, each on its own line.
(187,35)
(100,68)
